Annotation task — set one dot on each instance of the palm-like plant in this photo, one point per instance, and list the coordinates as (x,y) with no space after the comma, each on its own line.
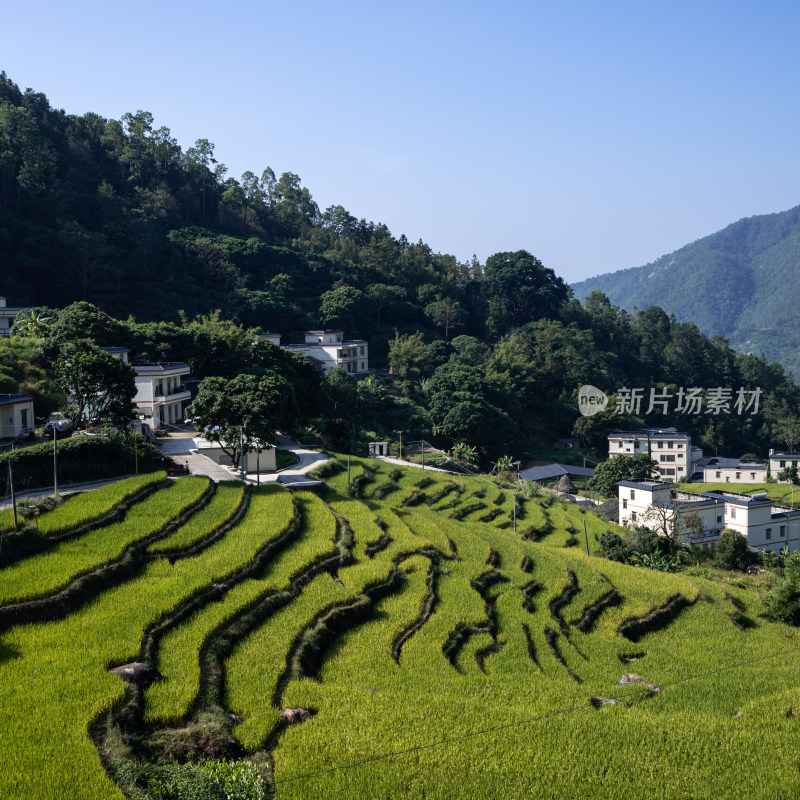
(464,454)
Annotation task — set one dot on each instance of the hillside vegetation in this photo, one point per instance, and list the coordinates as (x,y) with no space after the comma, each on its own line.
(733,283)
(393,638)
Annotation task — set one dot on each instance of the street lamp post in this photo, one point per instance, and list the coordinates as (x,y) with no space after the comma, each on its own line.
(401,444)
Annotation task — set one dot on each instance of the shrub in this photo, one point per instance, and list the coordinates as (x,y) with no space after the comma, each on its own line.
(731,551)
(80,458)
(783,602)
(614,547)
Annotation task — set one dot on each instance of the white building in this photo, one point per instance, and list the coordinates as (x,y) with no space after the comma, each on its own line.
(327,349)
(7,316)
(778,461)
(160,394)
(767,527)
(255,461)
(718,469)
(16,415)
(668,447)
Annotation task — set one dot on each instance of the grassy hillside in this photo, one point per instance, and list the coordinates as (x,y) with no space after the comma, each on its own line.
(733,283)
(423,648)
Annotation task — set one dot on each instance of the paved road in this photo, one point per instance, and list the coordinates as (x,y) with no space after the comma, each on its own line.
(181,449)
(403,463)
(65,489)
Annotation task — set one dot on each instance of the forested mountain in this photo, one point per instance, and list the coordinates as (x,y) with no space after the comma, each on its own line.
(157,249)
(734,283)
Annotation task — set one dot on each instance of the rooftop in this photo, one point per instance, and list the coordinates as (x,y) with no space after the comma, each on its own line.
(739,499)
(116,349)
(324,331)
(650,433)
(167,366)
(11,399)
(647,485)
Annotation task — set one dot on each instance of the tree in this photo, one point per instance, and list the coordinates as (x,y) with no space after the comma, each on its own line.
(789,474)
(732,551)
(343,306)
(252,407)
(98,386)
(609,473)
(463,454)
(445,314)
(670,523)
(407,356)
(786,429)
(521,289)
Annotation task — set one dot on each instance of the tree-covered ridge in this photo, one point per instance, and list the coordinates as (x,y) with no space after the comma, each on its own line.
(169,256)
(733,283)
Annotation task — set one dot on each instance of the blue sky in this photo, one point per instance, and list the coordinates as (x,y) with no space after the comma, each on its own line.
(597,135)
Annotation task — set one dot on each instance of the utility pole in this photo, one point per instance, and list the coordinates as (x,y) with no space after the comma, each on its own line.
(241,453)
(258,466)
(401,444)
(55,464)
(586,537)
(422,445)
(514,499)
(11,487)
(348,470)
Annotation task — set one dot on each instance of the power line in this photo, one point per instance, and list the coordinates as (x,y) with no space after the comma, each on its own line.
(518,723)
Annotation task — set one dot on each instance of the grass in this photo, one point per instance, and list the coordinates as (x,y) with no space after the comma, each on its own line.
(43,574)
(490,693)
(85,508)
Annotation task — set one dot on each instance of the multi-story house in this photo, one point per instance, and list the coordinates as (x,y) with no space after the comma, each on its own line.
(767,526)
(778,461)
(669,448)
(160,393)
(7,316)
(327,349)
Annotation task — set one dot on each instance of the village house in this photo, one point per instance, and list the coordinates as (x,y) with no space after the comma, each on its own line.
(16,415)
(668,447)
(7,316)
(327,349)
(719,469)
(778,461)
(767,527)
(160,394)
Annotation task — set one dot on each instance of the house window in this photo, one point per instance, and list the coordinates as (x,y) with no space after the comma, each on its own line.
(661,444)
(23,417)
(362,351)
(624,503)
(669,445)
(633,494)
(782,531)
(733,513)
(633,516)
(680,447)
(738,475)
(768,533)
(363,367)
(783,464)
(668,471)
(794,463)
(719,474)
(719,519)
(752,476)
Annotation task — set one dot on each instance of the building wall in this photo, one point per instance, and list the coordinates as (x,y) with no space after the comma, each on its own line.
(16,417)
(731,475)
(674,457)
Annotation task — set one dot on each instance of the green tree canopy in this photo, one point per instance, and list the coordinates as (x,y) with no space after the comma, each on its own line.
(98,386)
(608,473)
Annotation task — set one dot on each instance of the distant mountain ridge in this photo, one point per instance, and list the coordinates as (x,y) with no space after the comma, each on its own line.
(739,283)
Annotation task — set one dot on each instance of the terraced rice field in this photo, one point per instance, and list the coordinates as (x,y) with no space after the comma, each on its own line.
(396,639)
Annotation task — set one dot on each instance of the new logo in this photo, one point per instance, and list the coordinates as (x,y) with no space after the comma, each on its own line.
(591,400)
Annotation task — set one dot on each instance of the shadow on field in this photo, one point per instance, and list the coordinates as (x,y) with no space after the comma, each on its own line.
(7,652)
